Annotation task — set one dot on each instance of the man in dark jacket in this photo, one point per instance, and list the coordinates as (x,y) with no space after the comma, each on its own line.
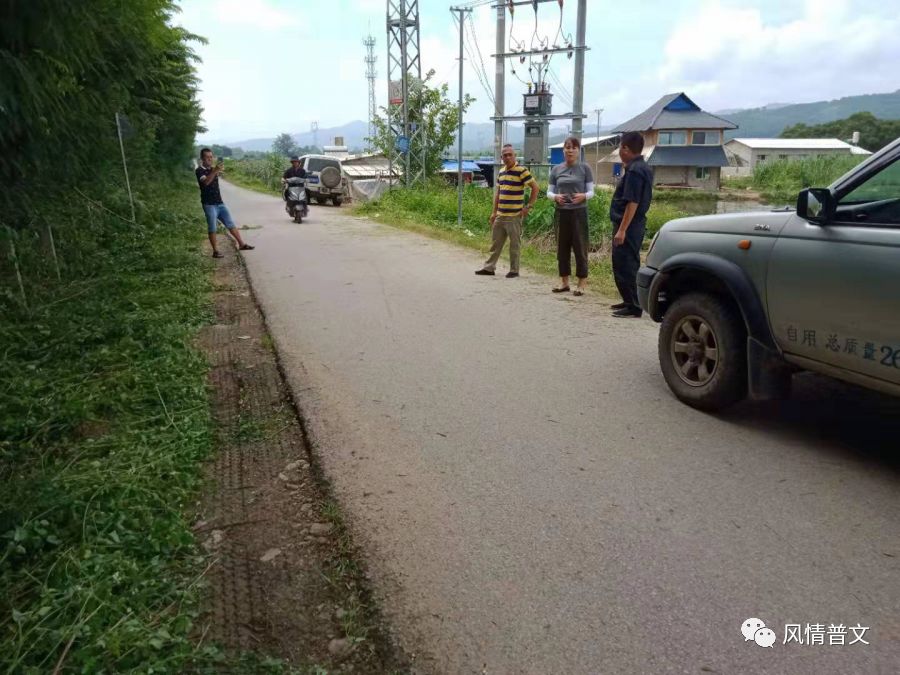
(628,213)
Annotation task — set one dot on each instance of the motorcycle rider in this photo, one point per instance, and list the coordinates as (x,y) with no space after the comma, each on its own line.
(296,171)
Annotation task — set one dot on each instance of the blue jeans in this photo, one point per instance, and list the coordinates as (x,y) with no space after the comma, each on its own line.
(216,212)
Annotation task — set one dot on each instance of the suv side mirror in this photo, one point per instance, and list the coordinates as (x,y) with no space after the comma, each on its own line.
(816,205)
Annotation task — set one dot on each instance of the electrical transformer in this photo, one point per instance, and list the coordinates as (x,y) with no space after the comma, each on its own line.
(537,131)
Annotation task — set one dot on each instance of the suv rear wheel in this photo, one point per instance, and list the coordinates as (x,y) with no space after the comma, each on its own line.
(337,201)
(703,351)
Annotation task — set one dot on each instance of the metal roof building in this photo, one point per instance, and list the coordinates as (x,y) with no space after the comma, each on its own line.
(682,143)
(748,152)
(674,111)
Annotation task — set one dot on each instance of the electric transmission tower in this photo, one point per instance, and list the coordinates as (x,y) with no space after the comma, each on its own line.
(404,76)
(314,128)
(369,42)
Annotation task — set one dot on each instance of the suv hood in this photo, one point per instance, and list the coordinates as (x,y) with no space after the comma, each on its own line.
(758,223)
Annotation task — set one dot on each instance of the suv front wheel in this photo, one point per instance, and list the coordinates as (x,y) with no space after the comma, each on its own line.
(703,351)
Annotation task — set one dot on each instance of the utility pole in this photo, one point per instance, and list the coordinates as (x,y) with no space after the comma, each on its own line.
(578,86)
(459,152)
(369,42)
(544,53)
(314,128)
(499,88)
(404,69)
(599,112)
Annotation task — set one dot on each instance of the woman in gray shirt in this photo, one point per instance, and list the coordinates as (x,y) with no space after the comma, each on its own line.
(571,185)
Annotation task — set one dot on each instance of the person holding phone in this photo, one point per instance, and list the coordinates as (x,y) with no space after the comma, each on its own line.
(213,206)
(571,185)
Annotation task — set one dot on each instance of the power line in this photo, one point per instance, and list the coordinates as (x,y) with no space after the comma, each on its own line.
(480,62)
(482,77)
(560,88)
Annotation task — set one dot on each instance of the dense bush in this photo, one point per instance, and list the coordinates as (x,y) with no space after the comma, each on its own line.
(66,69)
(783,179)
(262,172)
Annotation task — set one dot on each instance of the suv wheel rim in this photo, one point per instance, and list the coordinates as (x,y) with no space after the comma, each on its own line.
(694,351)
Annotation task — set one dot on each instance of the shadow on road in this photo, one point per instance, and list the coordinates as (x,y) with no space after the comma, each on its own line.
(844,421)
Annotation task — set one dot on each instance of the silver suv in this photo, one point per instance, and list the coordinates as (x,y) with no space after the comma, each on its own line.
(324,179)
(747,299)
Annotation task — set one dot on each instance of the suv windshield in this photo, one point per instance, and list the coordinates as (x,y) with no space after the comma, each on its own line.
(877,200)
(883,185)
(317,164)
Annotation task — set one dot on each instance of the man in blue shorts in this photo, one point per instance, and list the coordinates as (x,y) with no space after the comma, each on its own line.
(213,207)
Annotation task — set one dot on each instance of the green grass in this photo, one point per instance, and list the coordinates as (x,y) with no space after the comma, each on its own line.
(104,421)
(261,175)
(781,180)
(738,182)
(432,209)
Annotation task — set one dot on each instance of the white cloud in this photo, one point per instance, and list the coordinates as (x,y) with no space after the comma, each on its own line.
(258,14)
(726,56)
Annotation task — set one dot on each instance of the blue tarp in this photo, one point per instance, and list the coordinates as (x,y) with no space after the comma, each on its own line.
(467,166)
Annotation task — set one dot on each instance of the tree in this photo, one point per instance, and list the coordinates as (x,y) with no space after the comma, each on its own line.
(436,116)
(221,150)
(874,133)
(284,145)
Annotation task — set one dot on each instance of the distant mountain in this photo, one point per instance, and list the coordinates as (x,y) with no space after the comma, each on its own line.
(771,120)
(768,121)
(767,106)
(353,133)
(477,136)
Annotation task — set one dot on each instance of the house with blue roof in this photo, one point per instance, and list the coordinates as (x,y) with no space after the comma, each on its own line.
(683,144)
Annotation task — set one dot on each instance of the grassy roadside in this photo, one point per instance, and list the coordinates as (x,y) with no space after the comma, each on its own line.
(244,180)
(432,211)
(537,255)
(262,175)
(779,181)
(104,421)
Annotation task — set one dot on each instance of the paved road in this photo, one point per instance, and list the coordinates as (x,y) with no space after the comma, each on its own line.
(533,500)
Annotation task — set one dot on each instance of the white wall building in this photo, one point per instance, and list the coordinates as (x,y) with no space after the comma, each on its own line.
(748,152)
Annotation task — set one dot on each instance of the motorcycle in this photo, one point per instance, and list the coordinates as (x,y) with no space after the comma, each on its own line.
(295,199)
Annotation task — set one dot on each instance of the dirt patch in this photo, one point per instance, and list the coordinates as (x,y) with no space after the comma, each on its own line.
(284,578)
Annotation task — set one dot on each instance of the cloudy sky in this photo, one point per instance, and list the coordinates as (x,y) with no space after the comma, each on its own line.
(277,65)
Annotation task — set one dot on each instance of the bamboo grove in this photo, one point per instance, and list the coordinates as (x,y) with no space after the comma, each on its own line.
(66,69)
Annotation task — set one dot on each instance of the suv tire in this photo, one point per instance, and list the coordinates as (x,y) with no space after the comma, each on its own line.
(703,351)
(337,201)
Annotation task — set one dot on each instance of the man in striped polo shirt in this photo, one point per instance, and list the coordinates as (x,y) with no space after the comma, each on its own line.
(510,210)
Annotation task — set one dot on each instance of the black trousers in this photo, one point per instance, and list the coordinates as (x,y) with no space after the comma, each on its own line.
(626,260)
(572,237)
